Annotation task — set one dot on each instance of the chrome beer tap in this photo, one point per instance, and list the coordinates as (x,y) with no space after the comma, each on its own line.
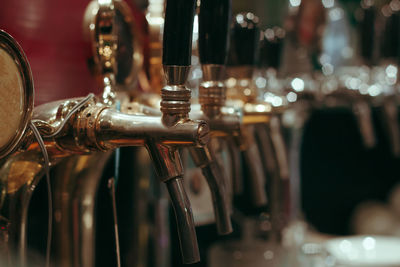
(270,135)
(95,126)
(214,19)
(109,29)
(241,93)
(332,92)
(204,158)
(384,75)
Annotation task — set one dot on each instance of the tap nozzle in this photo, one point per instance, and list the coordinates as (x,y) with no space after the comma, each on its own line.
(215,178)
(184,219)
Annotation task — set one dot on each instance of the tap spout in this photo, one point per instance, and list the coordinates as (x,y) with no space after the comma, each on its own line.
(215,177)
(184,219)
(254,164)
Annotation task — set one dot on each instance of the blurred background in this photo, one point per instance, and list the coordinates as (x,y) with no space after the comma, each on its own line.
(325,70)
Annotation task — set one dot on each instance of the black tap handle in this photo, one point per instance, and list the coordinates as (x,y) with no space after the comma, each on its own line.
(271,47)
(390,37)
(367,33)
(245,38)
(178,31)
(214,19)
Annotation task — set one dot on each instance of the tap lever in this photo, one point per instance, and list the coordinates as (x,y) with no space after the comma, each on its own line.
(184,219)
(367,30)
(271,47)
(178,30)
(245,40)
(214,18)
(177,52)
(243,54)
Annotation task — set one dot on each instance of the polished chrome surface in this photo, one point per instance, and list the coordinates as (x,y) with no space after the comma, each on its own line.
(175,96)
(115,40)
(212,98)
(240,84)
(216,180)
(75,191)
(213,72)
(176,75)
(155,19)
(96,127)
(212,90)
(257,177)
(184,218)
(145,129)
(23,106)
(20,174)
(251,151)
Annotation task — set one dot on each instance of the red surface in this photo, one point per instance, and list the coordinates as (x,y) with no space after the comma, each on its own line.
(50,32)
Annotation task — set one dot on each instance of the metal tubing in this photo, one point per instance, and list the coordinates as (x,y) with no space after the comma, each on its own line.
(215,177)
(184,220)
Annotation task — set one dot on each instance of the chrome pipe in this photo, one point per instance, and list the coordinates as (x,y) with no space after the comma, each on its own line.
(216,180)
(184,219)
(74,195)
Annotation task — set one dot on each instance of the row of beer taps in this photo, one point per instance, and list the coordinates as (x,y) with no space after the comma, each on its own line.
(242,111)
(94,124)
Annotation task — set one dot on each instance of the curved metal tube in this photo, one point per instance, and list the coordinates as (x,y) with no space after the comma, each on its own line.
(218,192)
(215,177)
(276,184)
(279,146)
(184,220)
(390,118)
(75,192)
(234,153)
(20,175)
(303,111)
(254,164)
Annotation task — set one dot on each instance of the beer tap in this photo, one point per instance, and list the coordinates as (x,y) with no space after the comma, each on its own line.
(214,19)
(95,126)
(105,68)
(242,93)
(270,135)
(387,31)
(271,45)
(204,157)
(109,30)
(332,92)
